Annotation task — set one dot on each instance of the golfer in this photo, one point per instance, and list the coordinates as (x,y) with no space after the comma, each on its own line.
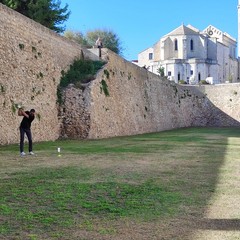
(25,127)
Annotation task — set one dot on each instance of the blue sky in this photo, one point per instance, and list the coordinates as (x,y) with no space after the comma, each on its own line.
(139,24)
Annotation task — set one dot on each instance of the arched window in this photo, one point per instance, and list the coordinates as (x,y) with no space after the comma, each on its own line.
(175,44)
(191,45)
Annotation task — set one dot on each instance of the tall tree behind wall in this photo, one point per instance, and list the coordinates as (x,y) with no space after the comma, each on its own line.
(109,38)
(47,12)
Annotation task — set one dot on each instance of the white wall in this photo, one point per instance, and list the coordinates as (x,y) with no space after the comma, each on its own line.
(143,57)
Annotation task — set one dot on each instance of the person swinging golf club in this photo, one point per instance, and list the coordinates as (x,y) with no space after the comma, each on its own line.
(25,127)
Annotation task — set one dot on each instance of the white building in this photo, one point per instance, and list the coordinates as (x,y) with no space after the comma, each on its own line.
(192,55)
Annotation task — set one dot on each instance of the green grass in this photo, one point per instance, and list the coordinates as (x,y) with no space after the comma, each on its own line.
(144,178)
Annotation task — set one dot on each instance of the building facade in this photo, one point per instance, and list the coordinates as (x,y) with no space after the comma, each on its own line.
(190,55)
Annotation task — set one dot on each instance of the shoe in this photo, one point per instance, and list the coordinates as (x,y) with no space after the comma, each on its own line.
(31,153)
(22,154)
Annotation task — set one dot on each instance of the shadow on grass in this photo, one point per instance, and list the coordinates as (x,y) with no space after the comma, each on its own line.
(205,178)
(220,224)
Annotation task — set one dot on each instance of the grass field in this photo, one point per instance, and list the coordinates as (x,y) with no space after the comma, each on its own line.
(180,184)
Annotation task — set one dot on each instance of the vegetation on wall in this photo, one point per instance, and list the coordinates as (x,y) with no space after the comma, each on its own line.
(106,72)
(38,116)
(129,76)
(104,88)
(2,89)
(14,106)
(80,72)
(21,46)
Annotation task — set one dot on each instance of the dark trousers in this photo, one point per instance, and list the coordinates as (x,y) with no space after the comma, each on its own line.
(29,136)
(99,51)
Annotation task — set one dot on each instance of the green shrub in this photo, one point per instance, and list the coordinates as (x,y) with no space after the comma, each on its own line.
(204,82)
(160,71)
(182,82)
(82,71)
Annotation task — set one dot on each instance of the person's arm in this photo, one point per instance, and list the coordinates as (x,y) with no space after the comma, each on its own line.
(22,113)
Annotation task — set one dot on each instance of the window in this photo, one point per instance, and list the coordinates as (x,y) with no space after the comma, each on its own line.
(191,72)
(191,45)
(179,76)
(175,45)
(150,56)
(199,76)
(169,73)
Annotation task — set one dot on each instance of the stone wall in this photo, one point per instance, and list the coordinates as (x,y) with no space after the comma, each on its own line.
(226,98)
(124,99)
(31,60)
(141,102)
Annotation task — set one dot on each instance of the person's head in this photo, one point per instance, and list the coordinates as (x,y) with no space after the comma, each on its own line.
(32,111)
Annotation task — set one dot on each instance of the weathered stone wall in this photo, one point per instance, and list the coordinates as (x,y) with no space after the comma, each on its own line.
(140,102)
(31,60)
(224,97)
(75,113)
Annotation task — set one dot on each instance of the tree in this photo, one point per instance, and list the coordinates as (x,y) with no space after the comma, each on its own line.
(77,37)
(160,71)
(47,12)
(110,39)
